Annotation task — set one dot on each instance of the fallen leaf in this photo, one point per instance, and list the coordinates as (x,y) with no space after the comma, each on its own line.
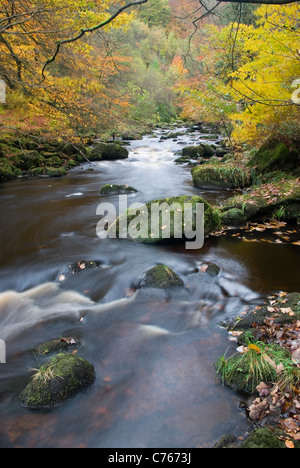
(254,348)
(289,444)
(296,356)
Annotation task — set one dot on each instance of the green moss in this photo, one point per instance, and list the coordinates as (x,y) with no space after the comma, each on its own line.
(233,217)
(111,188)
(8,170)
(54,161)
(279,199)
(275,156)
(28,160)
(162,277)
(54,346)
(57,380)
(213,175)
(265,438)
(175,211)
(193,152)
(55,171)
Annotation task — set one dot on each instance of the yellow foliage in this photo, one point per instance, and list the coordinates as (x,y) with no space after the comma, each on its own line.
(76,84)
(251,70)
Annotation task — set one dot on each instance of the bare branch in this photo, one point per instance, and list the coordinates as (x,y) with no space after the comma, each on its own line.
(89,30)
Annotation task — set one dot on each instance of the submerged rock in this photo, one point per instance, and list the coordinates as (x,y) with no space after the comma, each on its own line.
(162,277)
(116,189)
(56,381)
(55,346)
(213,269)
(78,267)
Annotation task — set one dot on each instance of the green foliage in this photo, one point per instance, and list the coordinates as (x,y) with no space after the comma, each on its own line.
(156,13)
(260,362)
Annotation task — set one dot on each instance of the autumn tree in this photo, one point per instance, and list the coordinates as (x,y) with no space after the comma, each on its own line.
(54,67)
(245,76)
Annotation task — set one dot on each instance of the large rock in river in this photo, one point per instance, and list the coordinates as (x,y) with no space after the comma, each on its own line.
(175,214)
(162,277)
(110,151)
(56,381)
(196,152)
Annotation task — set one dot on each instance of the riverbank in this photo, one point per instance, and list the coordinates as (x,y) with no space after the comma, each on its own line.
(266,368)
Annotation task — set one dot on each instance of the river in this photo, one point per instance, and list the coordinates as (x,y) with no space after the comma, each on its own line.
(153,351)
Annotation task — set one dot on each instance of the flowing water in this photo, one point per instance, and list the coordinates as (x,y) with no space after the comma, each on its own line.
(153,351)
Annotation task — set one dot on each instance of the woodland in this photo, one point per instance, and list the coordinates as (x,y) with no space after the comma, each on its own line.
(80,81)
(89,67)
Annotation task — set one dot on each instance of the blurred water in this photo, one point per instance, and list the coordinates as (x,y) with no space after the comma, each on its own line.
(153,351)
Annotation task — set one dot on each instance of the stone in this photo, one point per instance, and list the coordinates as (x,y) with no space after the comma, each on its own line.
(275,156)
(162,277)
(175,209)
(56,381)
(116,189)
(233,217)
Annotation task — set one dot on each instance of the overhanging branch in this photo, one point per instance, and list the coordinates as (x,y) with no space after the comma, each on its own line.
(89,30)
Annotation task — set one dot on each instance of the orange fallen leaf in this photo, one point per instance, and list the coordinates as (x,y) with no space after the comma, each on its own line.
(289,444)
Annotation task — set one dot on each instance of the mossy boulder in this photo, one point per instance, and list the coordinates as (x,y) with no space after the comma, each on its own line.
(162,277)
(96,153)
(233,217)
(116,189)
(195,152)
(8,170)
(277,313)
(217,175)
(209,150)
(55,171)
(54,161)
(113,151)
(213,269)
(26,143)
(275,156)
(267,438)
(56,381)
(279,199)
(72,149)
(56,346)
(28,160)
(172,216)
(108,152)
